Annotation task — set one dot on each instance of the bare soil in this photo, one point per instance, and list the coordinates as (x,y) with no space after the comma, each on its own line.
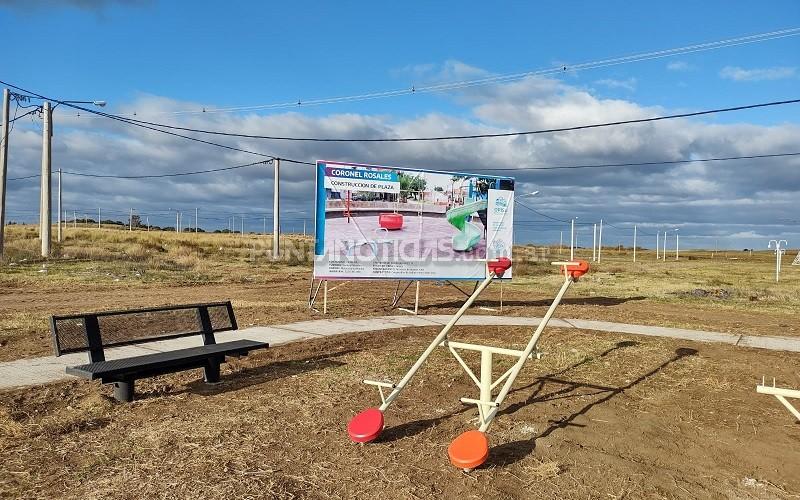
(281,297)
(600,416)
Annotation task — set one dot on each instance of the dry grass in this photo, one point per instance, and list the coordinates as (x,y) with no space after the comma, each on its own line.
(113,268)
(88,253)
(598,416)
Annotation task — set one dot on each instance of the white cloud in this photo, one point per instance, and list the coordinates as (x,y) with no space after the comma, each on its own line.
(659,194)
(627,84)
(80,4)
(449,71)
(738,74)
(679,66)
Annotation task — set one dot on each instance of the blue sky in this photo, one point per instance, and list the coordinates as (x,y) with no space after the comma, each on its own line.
(240,53)
(150,56)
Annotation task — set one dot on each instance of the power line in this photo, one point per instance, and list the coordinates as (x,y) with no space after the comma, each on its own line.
(603,165)
(540,213)
(152,126)
(442,87)
(22,178)
(179,174)
(130,122)
(648,163)
(151,176)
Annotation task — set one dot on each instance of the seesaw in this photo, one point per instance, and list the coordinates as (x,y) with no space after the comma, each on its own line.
(471,448)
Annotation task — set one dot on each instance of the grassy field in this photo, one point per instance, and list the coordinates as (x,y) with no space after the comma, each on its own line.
(112,268)
(600,415)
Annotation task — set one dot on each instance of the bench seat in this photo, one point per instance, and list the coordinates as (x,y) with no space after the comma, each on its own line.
(150,364)
(97,331)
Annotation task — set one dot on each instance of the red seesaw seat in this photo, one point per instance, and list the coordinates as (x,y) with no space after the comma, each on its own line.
(498,266)
(469,450)
(391,221)
(578,269)
(366,426)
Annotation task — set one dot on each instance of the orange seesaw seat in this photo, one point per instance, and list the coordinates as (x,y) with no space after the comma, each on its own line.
(469,450)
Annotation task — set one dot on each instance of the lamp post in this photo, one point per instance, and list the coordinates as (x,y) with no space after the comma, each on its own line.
(572,239)
(779,251)
(600,241)
(177,219)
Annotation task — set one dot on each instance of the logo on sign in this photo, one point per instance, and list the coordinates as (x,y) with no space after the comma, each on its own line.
(500,205)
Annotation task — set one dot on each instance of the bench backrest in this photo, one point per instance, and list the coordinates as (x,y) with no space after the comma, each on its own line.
(95,331)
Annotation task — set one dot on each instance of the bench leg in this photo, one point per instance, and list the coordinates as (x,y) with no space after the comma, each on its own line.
(211,371)
(123,391)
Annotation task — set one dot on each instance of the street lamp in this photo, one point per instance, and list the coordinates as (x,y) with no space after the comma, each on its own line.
(572,239)
(177,219)
(779,251)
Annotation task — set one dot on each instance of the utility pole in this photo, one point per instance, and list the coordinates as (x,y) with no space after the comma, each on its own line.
(600,241)
(634,243)
(58,212)
(195,220)
(594,242)
(677,243)
(658,245)
(130,220)
(242,225)
(265,225)
(148,223)
(276,214)
(74,219)
(664,251)
(304,227)
(561,242)
(98,217)
(45,208)
(3,168)
(177,221)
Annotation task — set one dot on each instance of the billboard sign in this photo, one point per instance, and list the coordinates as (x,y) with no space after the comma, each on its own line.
(379,222)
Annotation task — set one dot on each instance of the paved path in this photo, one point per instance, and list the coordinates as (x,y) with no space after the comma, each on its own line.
(34,371)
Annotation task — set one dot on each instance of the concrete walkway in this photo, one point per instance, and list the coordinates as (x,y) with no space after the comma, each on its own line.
(35,371)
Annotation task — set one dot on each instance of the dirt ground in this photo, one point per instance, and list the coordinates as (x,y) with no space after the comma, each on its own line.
(282,298)
(600,416)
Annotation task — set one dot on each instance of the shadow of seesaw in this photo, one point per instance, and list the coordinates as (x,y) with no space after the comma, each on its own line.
(573,301)
(515,451)
(414,427)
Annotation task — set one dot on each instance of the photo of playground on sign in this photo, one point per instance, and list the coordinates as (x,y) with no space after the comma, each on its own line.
(379,222)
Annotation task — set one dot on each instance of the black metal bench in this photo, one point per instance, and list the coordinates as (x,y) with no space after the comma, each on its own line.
(93,332)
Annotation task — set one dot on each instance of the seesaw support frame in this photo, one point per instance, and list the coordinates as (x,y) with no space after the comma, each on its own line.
(780,394)
(487,407)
